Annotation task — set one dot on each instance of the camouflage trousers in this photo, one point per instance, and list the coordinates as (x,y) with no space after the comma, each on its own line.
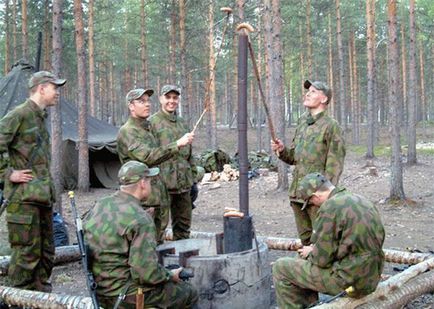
(304,220)
(161,220)
(170,295)
(297,282)
(30,230)
(181,211)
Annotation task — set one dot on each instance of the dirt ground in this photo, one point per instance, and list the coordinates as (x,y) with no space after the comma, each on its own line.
(409,226)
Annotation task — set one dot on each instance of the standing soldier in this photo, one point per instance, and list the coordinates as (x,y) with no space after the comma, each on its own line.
(318,146)
(346,251)
(28,187)
(121,238)
(136,141)
(177,172)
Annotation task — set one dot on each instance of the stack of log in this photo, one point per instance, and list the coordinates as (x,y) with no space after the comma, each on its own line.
(228,174)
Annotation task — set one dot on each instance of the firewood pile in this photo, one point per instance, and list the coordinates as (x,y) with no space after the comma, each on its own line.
(228,174)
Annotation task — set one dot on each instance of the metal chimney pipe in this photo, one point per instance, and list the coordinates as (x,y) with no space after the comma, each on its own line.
(242,123)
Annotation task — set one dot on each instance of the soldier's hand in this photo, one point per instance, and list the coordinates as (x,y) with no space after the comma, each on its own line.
(18,176)
(305,251)
(175,274)
(277,145)
(187,139)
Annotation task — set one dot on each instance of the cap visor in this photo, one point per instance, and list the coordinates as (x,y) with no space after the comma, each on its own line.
(59,82)
(153,172)
(307,84)
(149,92)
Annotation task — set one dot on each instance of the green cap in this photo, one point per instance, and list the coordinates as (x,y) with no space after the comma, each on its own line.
(319,86)
(132,171)
(137,93)
(43,77)
(309,185)
(168,88)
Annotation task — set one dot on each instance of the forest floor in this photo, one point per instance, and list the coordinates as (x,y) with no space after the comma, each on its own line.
(409,226)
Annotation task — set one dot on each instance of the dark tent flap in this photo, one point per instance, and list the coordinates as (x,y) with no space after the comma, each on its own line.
(101,135)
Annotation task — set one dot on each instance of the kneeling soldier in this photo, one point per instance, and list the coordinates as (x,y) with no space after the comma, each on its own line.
(121,238)
(346,248)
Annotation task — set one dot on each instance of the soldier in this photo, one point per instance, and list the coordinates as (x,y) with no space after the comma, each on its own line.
(346,248)
(28,186)
(318,146)
(136,141)
(177,172)
(121,238)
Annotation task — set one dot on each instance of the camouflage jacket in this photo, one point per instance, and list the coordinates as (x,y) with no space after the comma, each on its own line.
(348,237)
(318,146)
(121,238)
(177,172)
(136,141)
(24,138)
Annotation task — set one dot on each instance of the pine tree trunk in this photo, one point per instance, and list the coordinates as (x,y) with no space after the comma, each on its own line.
(212,92)
(342,93)
(173,43)
(330,76)
(371,112)
(404,75)
(92,96)
(183,56)
(56,116)
(47,47)
(83,149)
(24,31)
(423,108)
(309,41)
(14,29)
(7,34)
(396,181)
(143,47)
(412,96)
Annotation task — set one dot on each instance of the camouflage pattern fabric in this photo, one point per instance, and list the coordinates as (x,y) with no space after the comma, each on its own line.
(23,137)
(181,210)
(121,238)
(318,146)
(347,251)
(213,160)
(136,141)
(177,171)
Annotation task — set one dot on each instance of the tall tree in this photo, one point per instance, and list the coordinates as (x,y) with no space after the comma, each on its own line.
(47,48)
(412,97)
(396,181)
(183,56)
(342,105)
(24,31)
(309,40)
(330,75)
(173,45)
(91,46)
(143,47)
(83,146)
(273,28)
(370,71)
(210,97)
(7,34)
(14,30)
(56,115)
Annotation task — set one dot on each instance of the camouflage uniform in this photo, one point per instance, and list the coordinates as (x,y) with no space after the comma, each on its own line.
(24,138)
(318,146)
(121,238)
(347,251)
(177,172)
(136,141)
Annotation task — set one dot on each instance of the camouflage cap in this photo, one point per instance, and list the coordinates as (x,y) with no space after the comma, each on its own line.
(168,88)
(309,185)
(137,93)
(132,171)
(319,86)
(43,77)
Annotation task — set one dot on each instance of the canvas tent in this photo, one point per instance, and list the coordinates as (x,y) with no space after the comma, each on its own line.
(103,160)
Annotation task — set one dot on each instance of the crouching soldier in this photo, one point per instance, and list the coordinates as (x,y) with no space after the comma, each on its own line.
(346,248)
(121,237)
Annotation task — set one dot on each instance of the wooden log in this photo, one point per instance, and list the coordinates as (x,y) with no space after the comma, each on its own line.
(404,284)
(65,254)
(33,299)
